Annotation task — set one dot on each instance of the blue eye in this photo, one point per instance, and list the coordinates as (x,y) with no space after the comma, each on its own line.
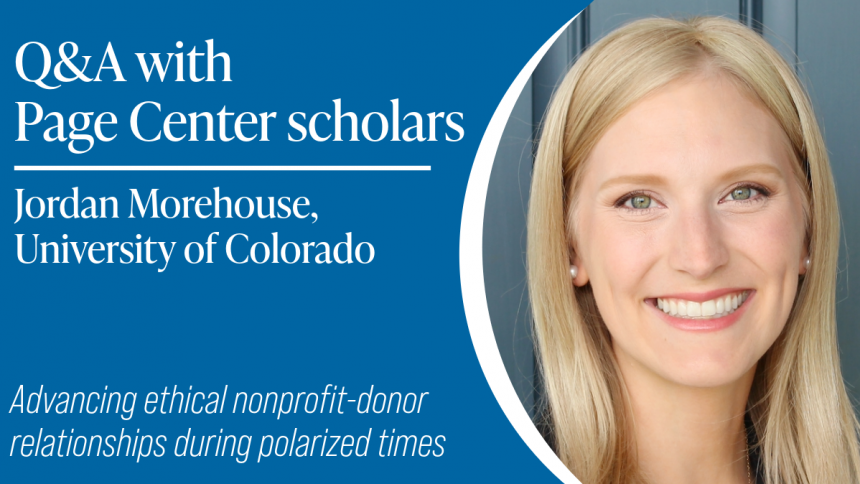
(640,201)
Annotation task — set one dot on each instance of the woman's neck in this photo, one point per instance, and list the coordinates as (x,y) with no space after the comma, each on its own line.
(687,434)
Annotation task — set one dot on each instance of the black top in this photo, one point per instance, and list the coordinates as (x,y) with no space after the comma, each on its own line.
(755,452)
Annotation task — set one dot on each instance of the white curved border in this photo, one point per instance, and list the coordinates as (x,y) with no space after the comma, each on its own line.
(472,274)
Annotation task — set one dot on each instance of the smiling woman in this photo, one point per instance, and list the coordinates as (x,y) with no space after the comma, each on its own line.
(683,235)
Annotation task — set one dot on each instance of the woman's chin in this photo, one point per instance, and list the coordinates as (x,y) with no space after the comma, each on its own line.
(706,370)
(715,363)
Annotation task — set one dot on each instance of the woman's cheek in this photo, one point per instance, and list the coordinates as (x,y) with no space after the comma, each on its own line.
(624,252)
(773,240)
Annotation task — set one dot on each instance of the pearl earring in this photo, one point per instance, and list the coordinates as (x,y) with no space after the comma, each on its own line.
(573,272)
(806,263)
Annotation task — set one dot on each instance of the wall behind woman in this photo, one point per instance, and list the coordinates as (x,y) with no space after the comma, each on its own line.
(821,38)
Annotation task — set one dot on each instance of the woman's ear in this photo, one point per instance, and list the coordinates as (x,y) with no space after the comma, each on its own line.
(581,278)
(805,261)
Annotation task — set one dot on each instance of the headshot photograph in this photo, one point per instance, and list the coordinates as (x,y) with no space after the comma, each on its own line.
(668,240)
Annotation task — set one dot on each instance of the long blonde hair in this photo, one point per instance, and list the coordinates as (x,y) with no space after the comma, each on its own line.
(806,428)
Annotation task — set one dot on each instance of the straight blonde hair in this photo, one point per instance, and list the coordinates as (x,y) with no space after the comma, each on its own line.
(803,418)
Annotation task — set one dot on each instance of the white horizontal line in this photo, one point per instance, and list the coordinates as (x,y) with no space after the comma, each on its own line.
(220,168)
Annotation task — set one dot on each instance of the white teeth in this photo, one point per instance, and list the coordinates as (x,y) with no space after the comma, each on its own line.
(694,309)
(709,308)
(714,308)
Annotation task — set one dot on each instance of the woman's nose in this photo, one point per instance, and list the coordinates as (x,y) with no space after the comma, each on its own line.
(698,243)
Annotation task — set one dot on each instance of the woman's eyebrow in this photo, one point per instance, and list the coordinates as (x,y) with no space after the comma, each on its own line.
(633,180)
(657,180)
(760,168)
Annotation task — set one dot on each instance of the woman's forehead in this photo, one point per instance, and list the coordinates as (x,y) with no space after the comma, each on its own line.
(698,126)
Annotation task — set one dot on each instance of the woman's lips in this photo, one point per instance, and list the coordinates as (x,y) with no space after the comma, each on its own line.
(722,309)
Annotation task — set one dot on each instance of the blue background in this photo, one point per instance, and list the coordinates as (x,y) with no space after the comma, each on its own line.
(397,323)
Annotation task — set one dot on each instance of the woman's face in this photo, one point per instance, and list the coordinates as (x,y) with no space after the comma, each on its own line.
(688,205)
